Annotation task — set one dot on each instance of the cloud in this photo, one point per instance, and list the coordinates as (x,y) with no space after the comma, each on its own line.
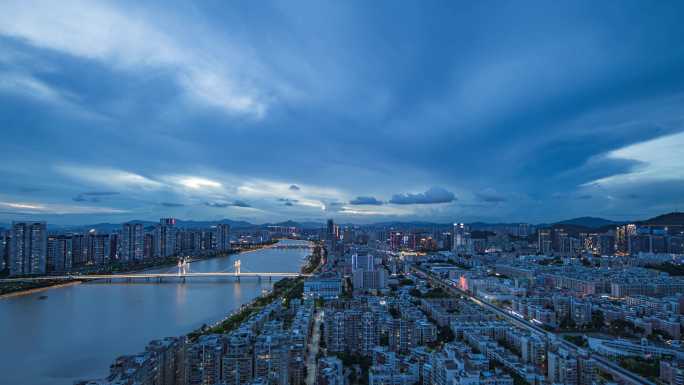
(653,160)
(195,182)
(109,177)
(217,204)
(237,203)
(431,196)
(294,187)
(56,208)
(172,204)
(365,200)
(490,195)
(126,39)
(93,196)
(288,201)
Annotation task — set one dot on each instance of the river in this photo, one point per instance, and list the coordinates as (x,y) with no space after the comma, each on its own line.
(78,331)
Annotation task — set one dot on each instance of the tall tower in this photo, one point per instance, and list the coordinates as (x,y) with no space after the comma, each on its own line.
(132,242)
(28,248)
(165,238)
(330,233)
(459,236)
(223,237)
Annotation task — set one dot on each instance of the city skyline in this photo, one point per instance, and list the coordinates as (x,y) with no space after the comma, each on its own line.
(365,113)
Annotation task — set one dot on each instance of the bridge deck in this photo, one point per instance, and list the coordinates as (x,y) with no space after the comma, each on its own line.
(154,275)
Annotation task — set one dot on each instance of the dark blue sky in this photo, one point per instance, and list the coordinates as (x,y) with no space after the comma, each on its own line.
(361,111)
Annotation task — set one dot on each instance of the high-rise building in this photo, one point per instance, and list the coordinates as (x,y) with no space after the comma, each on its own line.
(330,231)
(28,248)
(271,358)
(59,253)
(237,362)
(79,249)
(98,248)
(165,238)
(132,242)
(461,239)
(4,249)
(562,367)
(203,360)
(223,237)
(544,242)
(114,240)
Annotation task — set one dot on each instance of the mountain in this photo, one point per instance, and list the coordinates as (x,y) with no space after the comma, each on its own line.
(412,224)
(589,222)
(669,219)
(299,225)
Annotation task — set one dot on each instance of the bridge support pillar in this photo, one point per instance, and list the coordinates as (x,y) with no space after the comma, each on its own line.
(270,278)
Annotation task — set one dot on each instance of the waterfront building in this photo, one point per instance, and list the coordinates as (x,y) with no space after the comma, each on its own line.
(4,249)
(223,237)
(28,248)
(132,242)
(164,238)
(59,257)
(98,248)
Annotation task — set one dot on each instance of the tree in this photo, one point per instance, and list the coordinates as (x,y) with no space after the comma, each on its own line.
(445,334)
(597,320)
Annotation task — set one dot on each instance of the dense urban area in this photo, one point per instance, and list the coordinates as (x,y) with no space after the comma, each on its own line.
(576,302)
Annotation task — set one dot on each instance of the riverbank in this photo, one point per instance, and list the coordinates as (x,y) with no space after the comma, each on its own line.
(27,291)
(24,288)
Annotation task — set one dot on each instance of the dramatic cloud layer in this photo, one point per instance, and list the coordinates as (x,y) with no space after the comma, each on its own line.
(270,111)
(433,195)
(365,201)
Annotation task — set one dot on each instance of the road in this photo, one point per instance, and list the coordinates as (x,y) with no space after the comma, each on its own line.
(603,363)
(311,363)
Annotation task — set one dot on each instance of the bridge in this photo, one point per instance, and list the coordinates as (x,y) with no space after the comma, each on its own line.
(291,246)
(182,274)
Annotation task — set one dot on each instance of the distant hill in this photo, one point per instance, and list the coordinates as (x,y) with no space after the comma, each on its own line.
(670,219)
(299,225)
(589,222)
(573,226)
(411,224)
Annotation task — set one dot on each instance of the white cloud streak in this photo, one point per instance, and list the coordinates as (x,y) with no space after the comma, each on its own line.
(658,159)
(127,40)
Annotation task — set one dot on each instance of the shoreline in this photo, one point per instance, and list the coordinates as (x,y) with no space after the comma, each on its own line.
(20,293)
(66,283)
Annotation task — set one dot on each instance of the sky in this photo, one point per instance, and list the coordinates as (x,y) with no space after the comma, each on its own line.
(361,111)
